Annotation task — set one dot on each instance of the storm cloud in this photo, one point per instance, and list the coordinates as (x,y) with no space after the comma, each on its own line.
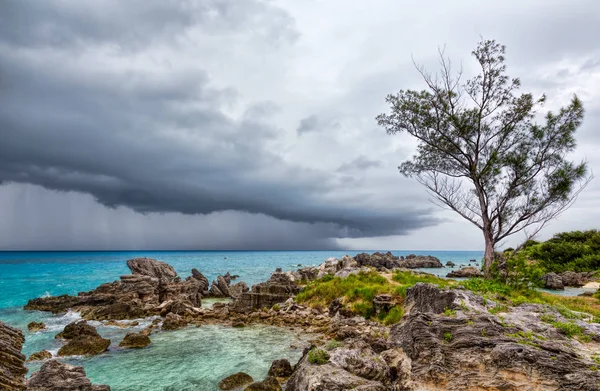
(233,124)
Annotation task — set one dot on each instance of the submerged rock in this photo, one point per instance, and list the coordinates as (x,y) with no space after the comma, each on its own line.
(269,384)
(281,368)
(12,361)
(56,376)
(36,326)
(135,341)
(465,272)
(39,356)
(173,322)
(237,380)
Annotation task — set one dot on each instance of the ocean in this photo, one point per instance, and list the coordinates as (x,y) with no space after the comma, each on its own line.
(195,358)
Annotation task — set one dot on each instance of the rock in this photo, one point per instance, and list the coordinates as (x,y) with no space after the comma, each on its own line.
(450,264)
(379,261)
(220,288)
(465,272)
(269,384)
(135,341)
(576,279)
(427,298)
(152,268)
(55,304)
(553,281)
(56,376)
(413,261)
(82,339)
(173,322)
(383,303)
(473,260)
(236,380)
(36,326)
(39,356)
(275,290)
(236,290)
(335,306)
(12,361)
(281,368)
(204,285)
(303,275)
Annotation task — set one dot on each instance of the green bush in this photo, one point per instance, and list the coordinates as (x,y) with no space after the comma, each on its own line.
(318,356)
(576,251)
(568,328)
(393,316)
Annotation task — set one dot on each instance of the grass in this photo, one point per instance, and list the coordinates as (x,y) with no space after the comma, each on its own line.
(358,291)
(318,356)
(447,337)
(333,344)
(568,328)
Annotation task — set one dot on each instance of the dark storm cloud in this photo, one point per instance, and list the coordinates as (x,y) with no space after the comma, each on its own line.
(156,141)
(308,124)
(361,163)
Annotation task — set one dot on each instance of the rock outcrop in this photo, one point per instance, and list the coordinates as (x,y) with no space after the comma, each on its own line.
(269,384)
(235,381)
(12,361)
(135,341)
(56,376)
(379,261)
(39,356)
(568,278)
(275,290)
(82,339)
(36,326)
(153,268)
(465,272)
(413,261)
(174,322)
(553,281)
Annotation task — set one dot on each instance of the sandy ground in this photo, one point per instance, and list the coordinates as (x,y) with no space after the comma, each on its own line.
(592,285)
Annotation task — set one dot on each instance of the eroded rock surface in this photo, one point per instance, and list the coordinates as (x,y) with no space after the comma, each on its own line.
(82,339)
(235,381)
(465,272)
(135,341)
(275,290)
(12,361)
(57,376)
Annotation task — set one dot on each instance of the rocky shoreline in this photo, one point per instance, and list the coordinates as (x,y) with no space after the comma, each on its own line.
(446,339)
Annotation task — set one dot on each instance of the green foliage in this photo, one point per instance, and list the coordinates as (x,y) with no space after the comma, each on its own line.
(393,316)
(569,329)
(333,344)
(575,251)
(318,356)
(522,274)
(450,312)
(447,337)
(276,307)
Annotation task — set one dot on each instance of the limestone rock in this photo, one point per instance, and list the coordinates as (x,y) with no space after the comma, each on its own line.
(281,368)
(465,272)
(269,384)
(379,261)
(12,361)
(135,341)
(39,356)
(220,288)
(413,261)
(237,380)
(201,278)
(152,268)
(576,279)
(553,281)
(82,339)
(275,290)
(173,322)
(54,304)
(383,303)
(236,290)
(78,329)
(36,326)
(56,376)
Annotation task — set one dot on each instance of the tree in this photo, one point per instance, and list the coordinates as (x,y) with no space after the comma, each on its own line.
(481,152)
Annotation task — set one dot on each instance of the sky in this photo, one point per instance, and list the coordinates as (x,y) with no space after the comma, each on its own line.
(223,124)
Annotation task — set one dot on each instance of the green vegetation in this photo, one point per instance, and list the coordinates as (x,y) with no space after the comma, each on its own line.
(574,251)
(333,344)
(447,337)
(450,312)
(568,328)
(358,291)
(318,356)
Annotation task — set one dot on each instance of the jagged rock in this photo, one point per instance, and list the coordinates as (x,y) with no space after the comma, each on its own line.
(413,261)
(56,376)
(303,275)
(379,261)
(153,268)
(576,279)
(12,361)
(465,272)
(220,288)
(36,326)
(173,322)
(328,377)
(236,290)
(335,306)
(237,380)
(82,339)
(269,384)
(383,303)
(204,285)
(275,290)
(54,304)
(281,368)
(135,341)
(553,281)
(39,356)
(427,298)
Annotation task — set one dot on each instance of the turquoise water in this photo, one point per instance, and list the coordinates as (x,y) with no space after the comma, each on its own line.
(189,359)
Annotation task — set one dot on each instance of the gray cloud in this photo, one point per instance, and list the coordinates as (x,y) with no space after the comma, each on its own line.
(361,163)
(308,124)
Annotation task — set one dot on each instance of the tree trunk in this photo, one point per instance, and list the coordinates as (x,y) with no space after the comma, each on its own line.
(488,258)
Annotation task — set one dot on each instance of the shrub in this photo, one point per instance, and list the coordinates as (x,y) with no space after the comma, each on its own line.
(447,337)
(576,251)
(393,316)
(318,356)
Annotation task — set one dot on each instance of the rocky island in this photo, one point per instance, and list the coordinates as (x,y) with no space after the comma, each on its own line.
(382,326)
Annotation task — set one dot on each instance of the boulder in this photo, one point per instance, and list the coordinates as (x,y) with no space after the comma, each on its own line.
(204,285)
(383,303)
(36,326)
(275,290)
(465,272)
(173,322)
(281,368)
(39,356)
(12,361)
(450,264)
(57,376)
(269,384)
(153,268)
(235,381)
(576,279)
(78,329)
(82,339)
(413,261)
(135,341)
(379,261)
(553,281)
